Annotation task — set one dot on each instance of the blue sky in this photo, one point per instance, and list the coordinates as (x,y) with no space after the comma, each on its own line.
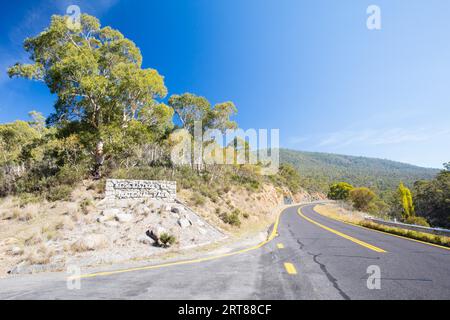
(309,68)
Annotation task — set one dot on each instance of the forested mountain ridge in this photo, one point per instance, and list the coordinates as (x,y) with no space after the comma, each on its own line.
(319,170)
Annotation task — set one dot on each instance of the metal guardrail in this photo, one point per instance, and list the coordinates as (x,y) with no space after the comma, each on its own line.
(435,231)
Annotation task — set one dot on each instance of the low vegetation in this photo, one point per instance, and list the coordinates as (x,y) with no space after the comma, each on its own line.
(167,240)
(439,240)
(427,204)
(342,214)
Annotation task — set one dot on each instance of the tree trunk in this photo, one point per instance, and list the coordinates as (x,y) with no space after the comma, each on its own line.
(99,160)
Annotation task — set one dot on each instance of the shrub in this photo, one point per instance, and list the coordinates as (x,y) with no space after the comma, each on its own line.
(419,221)
(340,191)
(85,204)
(28,198)
(198,199)
(444,241)
(41,256)
(362,198)
(232,218)
(59,193)
(167,240)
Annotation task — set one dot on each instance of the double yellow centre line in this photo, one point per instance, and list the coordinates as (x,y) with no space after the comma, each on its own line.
(361,243)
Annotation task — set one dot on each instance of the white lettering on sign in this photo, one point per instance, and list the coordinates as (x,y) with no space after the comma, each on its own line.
(140,189)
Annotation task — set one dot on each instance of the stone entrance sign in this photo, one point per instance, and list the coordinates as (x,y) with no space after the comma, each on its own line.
(140,189)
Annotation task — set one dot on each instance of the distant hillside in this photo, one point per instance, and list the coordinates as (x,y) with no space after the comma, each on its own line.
(318,170)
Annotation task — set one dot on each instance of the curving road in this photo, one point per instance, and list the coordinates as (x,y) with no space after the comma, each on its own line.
(309,257)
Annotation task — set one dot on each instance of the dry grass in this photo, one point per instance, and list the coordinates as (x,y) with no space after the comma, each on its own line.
(90,242)
(40,256)
(32,240)
(339,213)
(335,213)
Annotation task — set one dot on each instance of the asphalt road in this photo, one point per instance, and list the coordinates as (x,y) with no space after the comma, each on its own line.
(312,257)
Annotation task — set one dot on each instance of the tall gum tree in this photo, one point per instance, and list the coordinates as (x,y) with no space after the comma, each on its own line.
(97,76)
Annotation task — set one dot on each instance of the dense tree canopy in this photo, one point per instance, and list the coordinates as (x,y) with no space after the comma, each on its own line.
(340,191)
(95,72)
(362,198)
(191,108)
(97,76)
(432,199)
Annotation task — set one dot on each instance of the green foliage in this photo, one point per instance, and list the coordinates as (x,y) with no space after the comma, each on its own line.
(84,205)
(319,170)
(340,191)
(167,240)
(27,198)
(362,198)
(447,166)
(97,76)
(405,198)
(290,177)
(198,199)
(418,221)
(232,218)
(58,193)
(219,116)
(439,240)
(432,199)
(191,108)
(13,137)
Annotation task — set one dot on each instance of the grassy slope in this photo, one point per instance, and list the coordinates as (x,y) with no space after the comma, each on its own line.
(320,169)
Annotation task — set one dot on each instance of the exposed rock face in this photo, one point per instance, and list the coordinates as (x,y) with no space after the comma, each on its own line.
(110,214)
(124,217)
(184,223)
(15,251)
(177,209)
(155,234)
(91,242)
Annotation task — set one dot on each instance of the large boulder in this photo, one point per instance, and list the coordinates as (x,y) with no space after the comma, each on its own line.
(110,213)
(140,208)
(184,223)
(145,240)
(90,242)
(124,217)
(155,234)
(178,210)
(15,251)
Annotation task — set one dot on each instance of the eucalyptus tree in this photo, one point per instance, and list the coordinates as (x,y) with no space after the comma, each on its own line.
(97,75)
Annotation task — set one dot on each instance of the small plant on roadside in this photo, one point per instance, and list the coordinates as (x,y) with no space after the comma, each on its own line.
(85,204)
(28,198)
(232,218)
(167,240)
(198,199)
(60,193)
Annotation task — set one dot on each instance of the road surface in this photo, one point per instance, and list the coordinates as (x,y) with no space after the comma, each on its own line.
(311,257)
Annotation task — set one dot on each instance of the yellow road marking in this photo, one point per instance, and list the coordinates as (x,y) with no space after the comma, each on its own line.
(280,246)
(361,243)
(384,232)
(290,268)
(272,236)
